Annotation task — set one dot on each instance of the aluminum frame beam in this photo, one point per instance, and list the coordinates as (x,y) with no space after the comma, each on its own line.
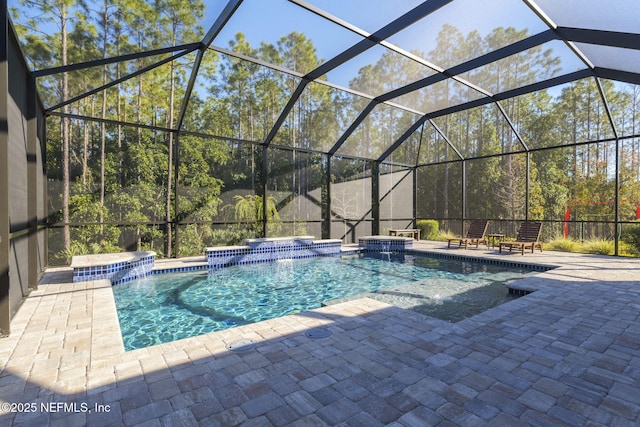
(113,122)
(215,29)
(566,34)
(446,139)
(353,126)
(118,81)
(555,81)
(375,198)
(486,59)
(385,32)
(221,21)
(285,111)
(32,183)
(534,150)
(600,37)
(105,61)
(512,49)
(618,75)
(512,126)
(301,86)
(410,132)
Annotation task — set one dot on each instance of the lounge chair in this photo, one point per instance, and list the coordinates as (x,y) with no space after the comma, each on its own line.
(475,234)
(528,237)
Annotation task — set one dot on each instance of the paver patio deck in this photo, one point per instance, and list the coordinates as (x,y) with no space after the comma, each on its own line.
(567,354)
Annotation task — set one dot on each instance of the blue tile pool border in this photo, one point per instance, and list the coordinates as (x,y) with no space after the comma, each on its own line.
(416,252)
(385,243)
(116,272)
(262,252)
(268,250)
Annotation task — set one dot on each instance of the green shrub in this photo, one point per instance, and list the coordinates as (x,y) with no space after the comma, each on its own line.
(64,256)
(563,245)
(599,247)
(631,236)
(428,229)
(625,249)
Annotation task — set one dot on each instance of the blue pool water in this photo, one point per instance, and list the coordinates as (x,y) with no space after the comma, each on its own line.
(168,307)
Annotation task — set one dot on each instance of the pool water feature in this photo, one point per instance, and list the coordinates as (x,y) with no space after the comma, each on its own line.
(167,307)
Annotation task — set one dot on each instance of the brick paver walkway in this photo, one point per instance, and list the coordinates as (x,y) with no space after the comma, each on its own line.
(567,354)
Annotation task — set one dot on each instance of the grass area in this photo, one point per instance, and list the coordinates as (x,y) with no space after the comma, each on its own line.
(599,247)
(592,246)
(563,245)
(443,235)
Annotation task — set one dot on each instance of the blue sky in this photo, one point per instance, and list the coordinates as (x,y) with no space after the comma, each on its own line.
(267,21)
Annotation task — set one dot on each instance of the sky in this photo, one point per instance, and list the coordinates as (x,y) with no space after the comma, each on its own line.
(269,20)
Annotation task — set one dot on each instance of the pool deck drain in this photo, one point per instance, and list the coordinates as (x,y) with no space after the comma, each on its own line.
(318,333)
(567,354)
(242,344)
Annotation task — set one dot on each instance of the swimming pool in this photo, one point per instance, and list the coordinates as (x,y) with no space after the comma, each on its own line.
(167,307)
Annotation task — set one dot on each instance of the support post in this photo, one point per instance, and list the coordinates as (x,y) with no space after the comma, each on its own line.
(326,199)
(375,198)
(263,189)
(527,187)
(45,187)
(32,185)
(616,213)
(464,194)
(176,205)
(414,211)
(616,219)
